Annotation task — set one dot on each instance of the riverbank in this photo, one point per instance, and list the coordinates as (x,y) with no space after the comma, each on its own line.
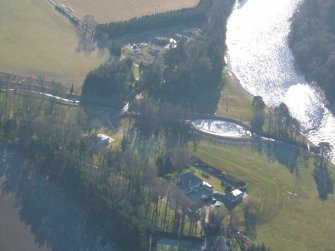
(235,102)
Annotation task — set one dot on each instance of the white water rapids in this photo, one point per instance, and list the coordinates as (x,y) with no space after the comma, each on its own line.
(259,55)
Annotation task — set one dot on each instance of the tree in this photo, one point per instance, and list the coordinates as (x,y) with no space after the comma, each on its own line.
(9,127)
(179,157)
(326,153)
(257,121)
(282,123)
(168,166)
(71,90)
(215,224)
(258,103)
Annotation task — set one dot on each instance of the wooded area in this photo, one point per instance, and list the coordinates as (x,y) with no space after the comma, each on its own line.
(118,189)
(312,40)
(111,80)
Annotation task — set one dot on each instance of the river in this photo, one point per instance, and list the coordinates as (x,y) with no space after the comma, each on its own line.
(259,55)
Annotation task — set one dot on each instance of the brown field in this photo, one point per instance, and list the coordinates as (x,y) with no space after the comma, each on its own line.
(116,10)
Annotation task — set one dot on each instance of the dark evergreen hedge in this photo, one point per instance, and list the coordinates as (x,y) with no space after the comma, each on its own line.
(108,31)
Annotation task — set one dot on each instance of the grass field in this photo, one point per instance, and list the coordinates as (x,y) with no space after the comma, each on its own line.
(37,41)
(290,214)
(235,102)
(116,10)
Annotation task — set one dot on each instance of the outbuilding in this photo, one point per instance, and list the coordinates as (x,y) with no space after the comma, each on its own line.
(235,197)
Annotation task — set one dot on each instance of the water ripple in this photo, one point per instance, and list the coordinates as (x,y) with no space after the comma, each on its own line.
(260,57)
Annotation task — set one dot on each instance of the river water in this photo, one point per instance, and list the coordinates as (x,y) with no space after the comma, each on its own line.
(259,55)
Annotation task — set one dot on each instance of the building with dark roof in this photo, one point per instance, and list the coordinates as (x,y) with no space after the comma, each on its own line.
(194,187)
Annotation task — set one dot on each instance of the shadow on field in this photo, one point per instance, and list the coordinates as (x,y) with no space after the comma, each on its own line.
(101,116)
(324,182)
(54,219)
(285,154)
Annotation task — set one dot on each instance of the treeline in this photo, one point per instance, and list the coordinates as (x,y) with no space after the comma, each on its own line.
(193,70)
(105,32)
(312,40)
(111,80)
(119,190)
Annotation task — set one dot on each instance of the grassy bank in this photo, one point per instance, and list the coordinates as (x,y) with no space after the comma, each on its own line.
(235,102)
(289,211)
(36,40)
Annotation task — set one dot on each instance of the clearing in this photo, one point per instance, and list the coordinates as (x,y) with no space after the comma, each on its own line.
(117,10)
(290,213)
(37,41)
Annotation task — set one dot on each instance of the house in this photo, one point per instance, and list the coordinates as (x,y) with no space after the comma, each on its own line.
(235,197)
(194,187)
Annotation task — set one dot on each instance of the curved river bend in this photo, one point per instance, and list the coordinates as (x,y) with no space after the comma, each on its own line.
(259,55)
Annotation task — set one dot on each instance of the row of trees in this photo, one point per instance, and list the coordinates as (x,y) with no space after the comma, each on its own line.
(312,40)
(281,124)
(106,32)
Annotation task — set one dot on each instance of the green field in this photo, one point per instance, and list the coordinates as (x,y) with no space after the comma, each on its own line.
(38,41)
(290,214)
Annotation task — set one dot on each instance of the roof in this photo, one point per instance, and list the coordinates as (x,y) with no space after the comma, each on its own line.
(236,192)
(206,184)
(190,179)
(104,137)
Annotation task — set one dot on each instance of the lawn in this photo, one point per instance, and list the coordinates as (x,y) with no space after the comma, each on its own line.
(38,41)
(215,182)
(235,102)
(290,214)
(117,10)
